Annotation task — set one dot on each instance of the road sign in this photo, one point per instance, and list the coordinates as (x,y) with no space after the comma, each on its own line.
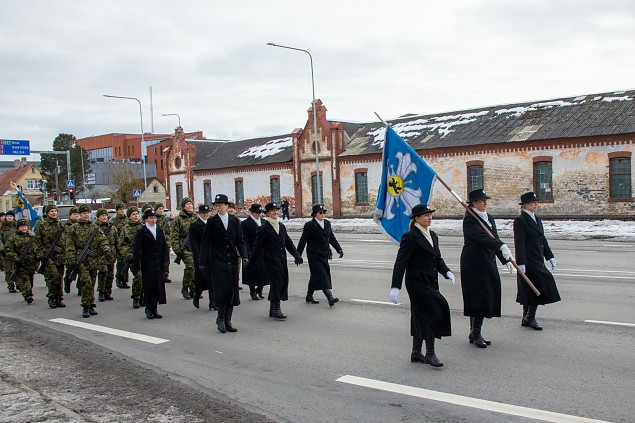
(136,193)
(90,179)
(15,147)
(70,183)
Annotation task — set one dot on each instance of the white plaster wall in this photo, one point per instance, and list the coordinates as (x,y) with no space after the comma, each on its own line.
(174,179)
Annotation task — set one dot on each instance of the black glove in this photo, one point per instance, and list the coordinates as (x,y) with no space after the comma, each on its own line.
(341,253)
(298,261)
(245,262)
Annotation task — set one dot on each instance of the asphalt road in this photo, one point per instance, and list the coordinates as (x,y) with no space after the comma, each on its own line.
(351,362)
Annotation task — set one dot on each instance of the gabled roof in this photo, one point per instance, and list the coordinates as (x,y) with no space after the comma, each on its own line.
(13,175)
(586,115)
(252,152)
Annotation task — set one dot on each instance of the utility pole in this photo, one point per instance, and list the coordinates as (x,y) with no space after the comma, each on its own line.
(57,183)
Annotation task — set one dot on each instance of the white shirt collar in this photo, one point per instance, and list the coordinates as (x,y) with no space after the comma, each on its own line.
(258,222)
(152,229)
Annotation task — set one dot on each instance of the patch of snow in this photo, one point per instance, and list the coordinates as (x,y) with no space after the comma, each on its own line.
(611,99)
(269,148)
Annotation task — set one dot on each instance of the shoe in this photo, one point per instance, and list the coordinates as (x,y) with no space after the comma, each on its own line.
(79,292)
(195,301)
(417,357)
(156,314)
(52,303)
(254,296)
(532,323)
(228,319)
(101,297)
(212,307)
(185,293)
(220,319)
(135,303)
(276,312)
(59,304)
(67,286)
(12,289)
(29,299)
(108,297)
(124,285)
(190,291)
(260,295)
(309,299)
(92,311)
(149,313)
(330,297)
(85,312)
(431,359)
(167,280)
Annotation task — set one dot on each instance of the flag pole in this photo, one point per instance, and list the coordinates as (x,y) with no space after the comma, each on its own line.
(485,228)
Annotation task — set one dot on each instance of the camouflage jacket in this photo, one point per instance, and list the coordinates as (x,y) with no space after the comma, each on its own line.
(164,224)
(112,235)
(180,230)
(76,239)
(16,245)
(7,229)
(127,237)
(45,231)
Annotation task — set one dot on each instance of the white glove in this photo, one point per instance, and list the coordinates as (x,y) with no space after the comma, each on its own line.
(507,254)
(450,276)
(510,267)
(394,295)
(553,263)
(522,267)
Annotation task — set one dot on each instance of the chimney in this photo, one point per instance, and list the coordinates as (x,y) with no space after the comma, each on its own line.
(16,163)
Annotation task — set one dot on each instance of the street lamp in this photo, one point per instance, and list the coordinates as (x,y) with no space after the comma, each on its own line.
(315,137)
(173,114)
(143,145)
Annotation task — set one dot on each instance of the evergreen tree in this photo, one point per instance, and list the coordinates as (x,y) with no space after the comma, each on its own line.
(65,142)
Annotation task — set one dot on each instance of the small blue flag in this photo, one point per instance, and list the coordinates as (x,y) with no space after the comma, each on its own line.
(406,181)
(24,209)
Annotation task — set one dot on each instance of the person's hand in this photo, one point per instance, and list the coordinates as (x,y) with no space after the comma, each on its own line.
(341,253)
(450,276)
(394,295)
(298,261)
(245,262)
(510,268)
(522,267)
(507,254)
(552,260)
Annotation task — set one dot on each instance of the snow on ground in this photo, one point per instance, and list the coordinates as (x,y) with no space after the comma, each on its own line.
(614,230)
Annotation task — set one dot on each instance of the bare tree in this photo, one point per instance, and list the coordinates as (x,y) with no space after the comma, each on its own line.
(123,182)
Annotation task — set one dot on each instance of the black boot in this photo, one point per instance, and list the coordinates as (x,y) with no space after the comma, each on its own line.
(108,297)
(431,357)
(195,299)
(59,304)
(156,312)
(149,313)
(275,311)
(252,293)
(52,303)
(530,318)
(330,297)
(101,297)
(211,301)
(92,311)
(135,303)
(220,319)
(228,319)
(67,286)
(309,298)
(415,355)
(85,312)
(259,292)
(475,334)
(186,293)
(190,290)
(487,341)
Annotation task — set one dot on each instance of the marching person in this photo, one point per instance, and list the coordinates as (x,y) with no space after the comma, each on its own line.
(118,221)
(257,279)
(106,273)
(420,259)
(150,256)
(18,246)
(126,243)
(480,280)
(221,246)
(164,224)
(285,209)
(78,237)
(7,228)
(73,216)
(2,219)
(181,246)
(272,243)
(201,283)
(48,231)
(532,249)
(316,236)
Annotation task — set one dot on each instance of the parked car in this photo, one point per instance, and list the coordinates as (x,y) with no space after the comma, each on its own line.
(111,213)
(168,214)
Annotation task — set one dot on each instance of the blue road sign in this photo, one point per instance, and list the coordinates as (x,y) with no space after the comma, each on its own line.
(70,183)
(15,147)
(136,193)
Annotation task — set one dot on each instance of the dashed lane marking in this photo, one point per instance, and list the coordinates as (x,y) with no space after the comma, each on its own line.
(497,407)
(601,322)
(373,302)
(110,331)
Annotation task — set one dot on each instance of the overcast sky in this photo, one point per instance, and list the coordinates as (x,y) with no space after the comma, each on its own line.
(208,61)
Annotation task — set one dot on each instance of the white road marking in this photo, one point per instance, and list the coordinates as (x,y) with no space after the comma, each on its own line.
(374,302)
(110,331)
(497,407)
(600,322)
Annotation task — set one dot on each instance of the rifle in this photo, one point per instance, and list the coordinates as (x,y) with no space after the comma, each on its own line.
(86,251)
(124,271)
(52,249)
(24,256)
(179,255)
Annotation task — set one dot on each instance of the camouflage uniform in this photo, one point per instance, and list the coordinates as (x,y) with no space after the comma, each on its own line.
(106,272)
(77,237)
(14,248)
(164,224)
(67,227)
(119,221)
(45,231)
(6,230)
(126,242)
(179,231)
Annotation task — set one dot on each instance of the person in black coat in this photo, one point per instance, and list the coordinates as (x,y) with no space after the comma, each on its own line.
(480,280)
(420,259)
(151,255)
(256,279)
(316,236)
(221,246)
(197,228)
(285,209)
(272,243)
(532,249)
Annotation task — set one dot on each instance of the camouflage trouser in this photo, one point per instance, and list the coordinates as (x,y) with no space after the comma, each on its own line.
(188,273)
(53,274)
(8,269)
(120,263)
(137,286)
(25,282)
(166,272)
(105,277)
(86,281)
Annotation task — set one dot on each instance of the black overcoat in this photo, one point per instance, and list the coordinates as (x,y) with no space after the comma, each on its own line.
(197,228)
(273,248)
(480,279)
(257,277)
(318,252)
(422,263)
(531,249)
(220,249)
(151,256)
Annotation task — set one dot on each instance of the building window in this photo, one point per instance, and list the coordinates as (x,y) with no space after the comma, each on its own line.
(207,192)
(315,196)
(239,193)
(33,183)
(543,179)
(620,176)
(155,188)
(361,187)
(179,195)
(475,175)
(274,184)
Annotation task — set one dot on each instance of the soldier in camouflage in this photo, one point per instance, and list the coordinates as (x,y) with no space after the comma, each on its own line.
(78,236)
(126,242)
(15,247)
(164,224)
(179,231)
(118,221)
(7,228)
(46,231)
(106,272)
(73,216)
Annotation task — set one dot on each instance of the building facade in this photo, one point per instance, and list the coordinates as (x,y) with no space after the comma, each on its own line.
(28,176)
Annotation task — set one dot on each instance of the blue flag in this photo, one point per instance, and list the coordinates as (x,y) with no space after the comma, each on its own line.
(406,181)
(24,209)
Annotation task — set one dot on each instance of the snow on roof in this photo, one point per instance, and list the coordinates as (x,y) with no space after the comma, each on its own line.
(269,148)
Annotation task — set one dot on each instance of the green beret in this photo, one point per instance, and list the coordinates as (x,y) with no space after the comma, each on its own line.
(84,208)
(146,206)
(100,212)
(157,205)
(22,222)
(131,210)
(72,210)
(185,201)
(120,205)
(49,208)
(10,213)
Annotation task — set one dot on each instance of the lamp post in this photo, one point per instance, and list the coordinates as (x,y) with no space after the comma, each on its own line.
(173,114)
(315,137)
(143,144)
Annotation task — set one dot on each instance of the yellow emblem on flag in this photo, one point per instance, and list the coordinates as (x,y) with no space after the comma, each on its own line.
(395,186)
(19,202)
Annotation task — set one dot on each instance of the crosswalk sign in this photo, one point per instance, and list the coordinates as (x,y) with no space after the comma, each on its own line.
(136,193)
(70,183)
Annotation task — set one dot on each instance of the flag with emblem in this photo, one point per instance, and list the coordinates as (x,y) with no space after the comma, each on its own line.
(406,181)
(24,209)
